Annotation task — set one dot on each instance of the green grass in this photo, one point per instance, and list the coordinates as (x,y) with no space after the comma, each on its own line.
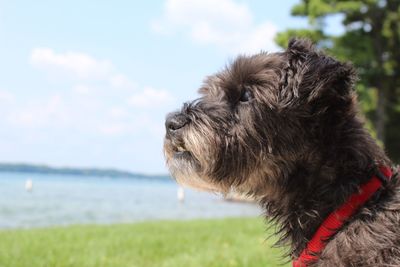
(198,243)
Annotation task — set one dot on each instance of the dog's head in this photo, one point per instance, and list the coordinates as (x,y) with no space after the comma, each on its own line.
(257,119)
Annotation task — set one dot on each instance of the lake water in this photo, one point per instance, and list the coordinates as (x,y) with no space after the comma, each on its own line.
(64,200)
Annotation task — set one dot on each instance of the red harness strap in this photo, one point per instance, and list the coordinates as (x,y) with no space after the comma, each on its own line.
(337,218)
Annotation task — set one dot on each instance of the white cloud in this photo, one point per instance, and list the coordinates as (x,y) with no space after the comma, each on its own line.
(79,66)
(118,113)
(89,106)
(91,114)
(121,81)
(150,98)
(82,89)
(76,64)
(113,129)
(140,123)
(225,23)
(48,112)
(6,97)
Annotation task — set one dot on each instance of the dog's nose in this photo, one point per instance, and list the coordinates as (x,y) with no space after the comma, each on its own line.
(175,121)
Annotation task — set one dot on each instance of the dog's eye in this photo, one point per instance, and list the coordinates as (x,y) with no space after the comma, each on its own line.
(246,96)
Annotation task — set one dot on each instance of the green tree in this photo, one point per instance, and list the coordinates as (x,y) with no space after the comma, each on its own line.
(371,41)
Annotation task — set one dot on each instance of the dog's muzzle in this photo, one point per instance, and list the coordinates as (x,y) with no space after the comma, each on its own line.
(175,122)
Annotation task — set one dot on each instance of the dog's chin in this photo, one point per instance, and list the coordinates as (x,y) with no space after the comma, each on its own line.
(196,183)
(185,169)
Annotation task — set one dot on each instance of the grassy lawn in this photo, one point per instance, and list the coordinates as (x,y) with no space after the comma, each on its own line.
(198,243)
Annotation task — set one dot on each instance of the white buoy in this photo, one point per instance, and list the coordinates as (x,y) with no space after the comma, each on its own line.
(180,194)
(28,185)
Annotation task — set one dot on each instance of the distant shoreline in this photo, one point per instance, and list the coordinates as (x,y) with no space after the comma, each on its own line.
(44,169)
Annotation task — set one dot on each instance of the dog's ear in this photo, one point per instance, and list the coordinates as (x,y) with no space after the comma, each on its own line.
(296,55)
(310,74)
(328,78)
(298,47)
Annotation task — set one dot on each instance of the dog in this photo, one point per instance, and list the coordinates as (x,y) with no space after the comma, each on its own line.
(285,129)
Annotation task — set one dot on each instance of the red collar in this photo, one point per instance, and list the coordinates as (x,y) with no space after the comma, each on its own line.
(338,217)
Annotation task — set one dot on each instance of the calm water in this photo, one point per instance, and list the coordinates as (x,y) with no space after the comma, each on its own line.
(63,200)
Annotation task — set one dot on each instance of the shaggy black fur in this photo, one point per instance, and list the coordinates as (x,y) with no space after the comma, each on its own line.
(284,128)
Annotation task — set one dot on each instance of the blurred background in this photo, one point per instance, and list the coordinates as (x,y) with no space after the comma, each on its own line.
(84,90)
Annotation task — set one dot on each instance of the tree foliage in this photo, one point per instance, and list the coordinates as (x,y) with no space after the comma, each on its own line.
(371,41)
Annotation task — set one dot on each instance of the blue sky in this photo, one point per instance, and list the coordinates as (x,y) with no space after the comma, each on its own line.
(88,83)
